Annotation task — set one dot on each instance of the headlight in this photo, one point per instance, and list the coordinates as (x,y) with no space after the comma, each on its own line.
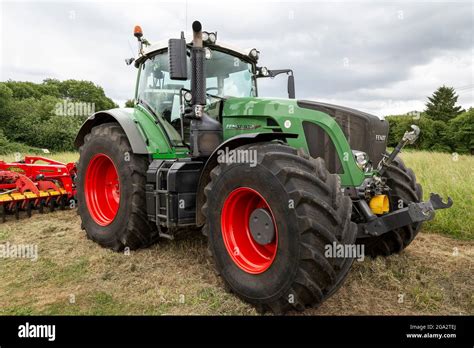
(212,38)
(362,160)
(207,53)
(188,97)
(209,37)
(264,71)
(254,53)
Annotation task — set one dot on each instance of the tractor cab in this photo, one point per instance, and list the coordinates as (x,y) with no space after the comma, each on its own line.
(228,73)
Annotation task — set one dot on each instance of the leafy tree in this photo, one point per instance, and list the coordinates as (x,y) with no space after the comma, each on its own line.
(442,105)
(6,96)
(461,132)
(130,103)
(28,112)
(24,90)
(398,125)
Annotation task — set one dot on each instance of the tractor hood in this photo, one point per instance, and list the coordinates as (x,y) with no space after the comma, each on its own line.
(364,132)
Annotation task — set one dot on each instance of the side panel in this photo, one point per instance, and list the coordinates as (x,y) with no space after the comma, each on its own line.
(239,114)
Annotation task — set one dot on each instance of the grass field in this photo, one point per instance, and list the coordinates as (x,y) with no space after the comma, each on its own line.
(75,276)
(448,175)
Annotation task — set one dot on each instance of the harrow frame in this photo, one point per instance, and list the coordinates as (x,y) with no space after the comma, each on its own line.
(29,184)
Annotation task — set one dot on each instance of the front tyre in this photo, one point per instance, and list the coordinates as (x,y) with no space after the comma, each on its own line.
(403,190)
(268,226)
(111,190)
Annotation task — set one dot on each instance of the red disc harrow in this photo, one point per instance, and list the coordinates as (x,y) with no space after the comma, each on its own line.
(35,183)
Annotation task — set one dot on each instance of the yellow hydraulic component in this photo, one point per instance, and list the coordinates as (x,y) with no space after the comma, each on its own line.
(379,204)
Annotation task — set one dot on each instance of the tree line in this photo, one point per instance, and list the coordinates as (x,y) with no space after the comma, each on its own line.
(444,126)
(47,115)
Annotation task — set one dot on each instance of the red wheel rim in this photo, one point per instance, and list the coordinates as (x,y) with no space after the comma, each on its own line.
(246,253)
(102,189)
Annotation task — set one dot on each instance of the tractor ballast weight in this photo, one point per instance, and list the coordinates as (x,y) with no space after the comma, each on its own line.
(312,174)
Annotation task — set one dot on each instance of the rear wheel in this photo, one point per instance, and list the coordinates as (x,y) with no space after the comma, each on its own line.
(403,190)
(111,190)
(268,227)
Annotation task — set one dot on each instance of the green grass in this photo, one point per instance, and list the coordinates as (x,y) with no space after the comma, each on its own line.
(447,175)
(64,157)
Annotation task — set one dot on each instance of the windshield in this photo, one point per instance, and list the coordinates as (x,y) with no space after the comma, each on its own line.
(226,75)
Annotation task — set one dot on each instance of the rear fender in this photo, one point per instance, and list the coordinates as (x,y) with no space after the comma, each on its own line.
(124,118)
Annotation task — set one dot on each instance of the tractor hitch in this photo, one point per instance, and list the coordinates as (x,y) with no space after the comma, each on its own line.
(409,137)
(414,212)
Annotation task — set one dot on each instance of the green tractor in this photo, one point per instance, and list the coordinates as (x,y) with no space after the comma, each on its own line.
(286,191)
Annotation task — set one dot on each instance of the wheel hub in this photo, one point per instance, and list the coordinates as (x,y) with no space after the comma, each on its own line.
(261,226)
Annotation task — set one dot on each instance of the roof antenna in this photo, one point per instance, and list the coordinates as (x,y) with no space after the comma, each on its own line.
(186,14)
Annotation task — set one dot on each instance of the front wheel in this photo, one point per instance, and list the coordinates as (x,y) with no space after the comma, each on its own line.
(403,190)
(111,190)
(269,225)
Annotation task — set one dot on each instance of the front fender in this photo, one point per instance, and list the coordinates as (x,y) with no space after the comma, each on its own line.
(123,117)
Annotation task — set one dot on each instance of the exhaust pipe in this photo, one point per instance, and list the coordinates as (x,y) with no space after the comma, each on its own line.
(205,132)
(198,76)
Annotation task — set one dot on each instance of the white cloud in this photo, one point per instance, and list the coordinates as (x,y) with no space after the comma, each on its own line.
(379,57)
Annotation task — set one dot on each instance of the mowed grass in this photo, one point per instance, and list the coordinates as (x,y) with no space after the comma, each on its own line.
(75,276)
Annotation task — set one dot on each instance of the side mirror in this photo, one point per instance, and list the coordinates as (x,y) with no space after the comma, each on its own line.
(264,72)
(291,86)
(178,58)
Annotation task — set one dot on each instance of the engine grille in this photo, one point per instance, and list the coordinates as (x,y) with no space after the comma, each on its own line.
(321,145)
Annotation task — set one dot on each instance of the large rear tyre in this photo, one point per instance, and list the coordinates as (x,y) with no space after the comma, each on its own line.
(403,190)
(111,190)
(277,262)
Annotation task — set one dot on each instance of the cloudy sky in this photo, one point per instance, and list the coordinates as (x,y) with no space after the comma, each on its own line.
(377,56)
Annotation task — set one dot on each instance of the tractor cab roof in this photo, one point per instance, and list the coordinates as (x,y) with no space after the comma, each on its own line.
(163,45)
